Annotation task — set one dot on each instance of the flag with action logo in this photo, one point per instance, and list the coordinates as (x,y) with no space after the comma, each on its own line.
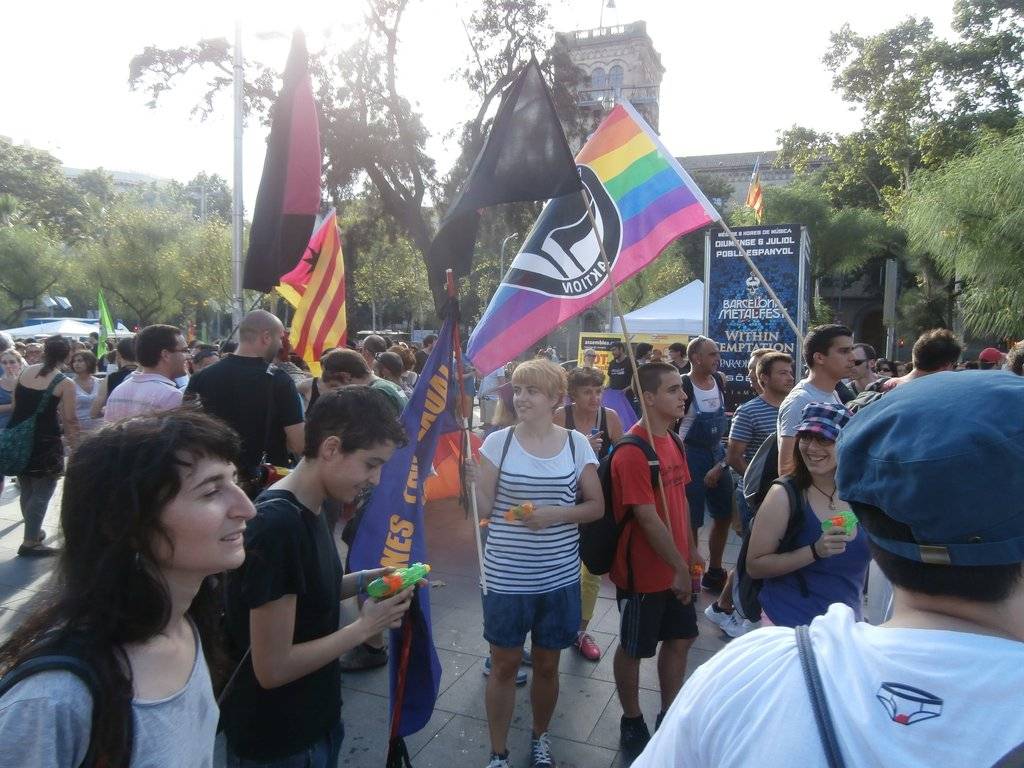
(316,289)
(755,194)
(391,534)
(641,200)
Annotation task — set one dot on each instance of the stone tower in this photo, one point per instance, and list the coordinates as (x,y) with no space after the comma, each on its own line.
(621,63)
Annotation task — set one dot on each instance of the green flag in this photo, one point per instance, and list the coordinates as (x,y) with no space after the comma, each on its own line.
(106,326)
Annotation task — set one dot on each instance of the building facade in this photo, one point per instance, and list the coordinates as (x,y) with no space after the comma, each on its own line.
(621,63)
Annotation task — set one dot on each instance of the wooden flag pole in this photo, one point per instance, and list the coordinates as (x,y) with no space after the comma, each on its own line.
(467,445)
(764,282)
(617,305)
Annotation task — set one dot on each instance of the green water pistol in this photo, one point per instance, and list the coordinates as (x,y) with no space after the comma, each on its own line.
(845,520)
(401,578)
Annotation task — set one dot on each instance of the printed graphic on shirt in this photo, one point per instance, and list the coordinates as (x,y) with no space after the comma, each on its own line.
(907,705)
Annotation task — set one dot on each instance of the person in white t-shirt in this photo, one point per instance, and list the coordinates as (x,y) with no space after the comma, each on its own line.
(942,682)
(532,561)
(828,352)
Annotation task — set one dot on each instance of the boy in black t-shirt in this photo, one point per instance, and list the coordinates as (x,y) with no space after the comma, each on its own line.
(287,697)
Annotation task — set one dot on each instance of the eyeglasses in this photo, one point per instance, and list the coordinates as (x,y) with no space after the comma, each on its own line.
(859,362)
(183,351)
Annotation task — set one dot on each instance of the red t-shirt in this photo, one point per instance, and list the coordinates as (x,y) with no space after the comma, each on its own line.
(631,485)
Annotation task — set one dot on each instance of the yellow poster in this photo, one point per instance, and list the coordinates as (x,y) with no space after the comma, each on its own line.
(602,344)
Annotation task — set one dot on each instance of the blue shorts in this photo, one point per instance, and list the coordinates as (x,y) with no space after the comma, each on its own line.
(552,618)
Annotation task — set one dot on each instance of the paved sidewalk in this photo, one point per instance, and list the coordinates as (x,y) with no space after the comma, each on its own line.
(585,725)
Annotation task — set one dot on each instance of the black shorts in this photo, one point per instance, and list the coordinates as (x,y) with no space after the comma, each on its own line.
(645,619)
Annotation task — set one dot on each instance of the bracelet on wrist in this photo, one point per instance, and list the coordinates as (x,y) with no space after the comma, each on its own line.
(361,577)
(814,551)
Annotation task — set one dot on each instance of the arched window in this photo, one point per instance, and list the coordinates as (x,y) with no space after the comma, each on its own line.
(598,78)
(615,77)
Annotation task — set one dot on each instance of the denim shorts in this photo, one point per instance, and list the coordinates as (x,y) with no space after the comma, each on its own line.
(323,753)
(552,618)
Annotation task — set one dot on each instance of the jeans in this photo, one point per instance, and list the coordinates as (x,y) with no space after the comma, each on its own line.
(35,492)
(323,753)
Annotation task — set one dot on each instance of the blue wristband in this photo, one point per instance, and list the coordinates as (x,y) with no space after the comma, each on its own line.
(359,582)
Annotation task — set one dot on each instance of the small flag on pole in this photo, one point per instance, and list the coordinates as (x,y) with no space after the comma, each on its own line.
(755,194)
(106,326)
(316,288)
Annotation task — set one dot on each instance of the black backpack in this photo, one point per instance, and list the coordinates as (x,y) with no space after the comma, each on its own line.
(748,590)
(761,472)
(600,539)
(863,400)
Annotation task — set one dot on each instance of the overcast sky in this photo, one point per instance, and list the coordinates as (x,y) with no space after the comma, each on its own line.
(737,71)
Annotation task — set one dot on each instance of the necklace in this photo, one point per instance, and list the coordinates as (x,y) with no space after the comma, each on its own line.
(830,496)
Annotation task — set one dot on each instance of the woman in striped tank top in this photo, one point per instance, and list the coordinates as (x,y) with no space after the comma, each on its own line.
(532,566)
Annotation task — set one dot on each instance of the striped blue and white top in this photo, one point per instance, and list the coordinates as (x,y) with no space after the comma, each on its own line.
(518,560)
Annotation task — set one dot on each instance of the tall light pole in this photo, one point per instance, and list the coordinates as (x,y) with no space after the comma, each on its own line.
(237,210)
(501,261)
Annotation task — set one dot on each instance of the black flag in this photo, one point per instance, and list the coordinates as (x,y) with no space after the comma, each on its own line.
(524,158)
(289,195)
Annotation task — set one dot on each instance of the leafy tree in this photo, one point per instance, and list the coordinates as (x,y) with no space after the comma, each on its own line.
(209,197)
(844,240)
(31,263)
(969,215)
(45,196)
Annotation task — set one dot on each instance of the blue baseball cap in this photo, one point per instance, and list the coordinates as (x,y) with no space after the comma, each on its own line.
(944,455)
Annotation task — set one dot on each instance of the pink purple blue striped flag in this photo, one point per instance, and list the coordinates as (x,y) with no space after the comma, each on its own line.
(642,200)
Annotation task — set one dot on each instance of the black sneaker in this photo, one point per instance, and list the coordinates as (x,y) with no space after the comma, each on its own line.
(633,735)
(714,580)
(362,657)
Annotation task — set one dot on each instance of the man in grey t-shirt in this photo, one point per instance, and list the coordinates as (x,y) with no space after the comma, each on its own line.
(828,350)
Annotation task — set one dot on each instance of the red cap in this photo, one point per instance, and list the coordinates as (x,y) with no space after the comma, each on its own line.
(990,355)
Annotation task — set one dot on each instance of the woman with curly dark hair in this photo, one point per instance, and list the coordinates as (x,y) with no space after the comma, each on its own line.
(150,511)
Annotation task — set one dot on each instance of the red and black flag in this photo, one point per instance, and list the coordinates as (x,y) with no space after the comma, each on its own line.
(524,158)
(289,196)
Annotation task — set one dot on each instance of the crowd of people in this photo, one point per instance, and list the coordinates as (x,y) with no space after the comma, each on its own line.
(192,562)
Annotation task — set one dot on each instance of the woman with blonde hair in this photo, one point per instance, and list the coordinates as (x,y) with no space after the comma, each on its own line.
(530,478)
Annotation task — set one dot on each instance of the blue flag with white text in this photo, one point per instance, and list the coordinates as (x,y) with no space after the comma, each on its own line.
(391,532)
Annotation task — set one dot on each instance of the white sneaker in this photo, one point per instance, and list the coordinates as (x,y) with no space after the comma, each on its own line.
(721,618)
(737,627)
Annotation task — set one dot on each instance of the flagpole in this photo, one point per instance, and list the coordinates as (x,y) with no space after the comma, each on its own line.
(617,304)
(467,445)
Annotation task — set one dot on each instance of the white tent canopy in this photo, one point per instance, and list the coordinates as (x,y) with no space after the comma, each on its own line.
(64,327)
(682,311)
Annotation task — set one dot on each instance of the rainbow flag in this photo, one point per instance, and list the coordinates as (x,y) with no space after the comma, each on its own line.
(641,199)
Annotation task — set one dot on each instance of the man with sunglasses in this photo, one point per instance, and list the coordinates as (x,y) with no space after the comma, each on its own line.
(864,357)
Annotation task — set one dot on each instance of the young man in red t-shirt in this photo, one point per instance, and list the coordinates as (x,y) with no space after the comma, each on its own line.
(652,568)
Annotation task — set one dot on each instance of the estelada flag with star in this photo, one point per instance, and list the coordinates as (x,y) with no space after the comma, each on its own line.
(316,289)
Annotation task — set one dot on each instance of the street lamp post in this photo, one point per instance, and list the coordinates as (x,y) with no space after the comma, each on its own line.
(501,262)
(237,210)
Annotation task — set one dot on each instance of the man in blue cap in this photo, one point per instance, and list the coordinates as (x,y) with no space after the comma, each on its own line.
(933,472)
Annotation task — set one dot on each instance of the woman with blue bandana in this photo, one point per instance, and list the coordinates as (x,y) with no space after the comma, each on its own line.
(824,559)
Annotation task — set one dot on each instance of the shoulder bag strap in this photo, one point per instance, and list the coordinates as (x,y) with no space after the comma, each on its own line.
(812,678)
(48,393)
(570,417)
(501,461)
(688,389)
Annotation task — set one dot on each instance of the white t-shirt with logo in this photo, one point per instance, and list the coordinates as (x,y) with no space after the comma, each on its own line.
(898,697)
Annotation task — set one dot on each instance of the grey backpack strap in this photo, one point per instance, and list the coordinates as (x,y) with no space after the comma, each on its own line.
(812,677)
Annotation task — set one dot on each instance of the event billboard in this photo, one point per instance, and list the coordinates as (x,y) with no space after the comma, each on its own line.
(739,313)
(602,344)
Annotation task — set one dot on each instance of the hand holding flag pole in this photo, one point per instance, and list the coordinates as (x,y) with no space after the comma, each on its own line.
(467,446)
